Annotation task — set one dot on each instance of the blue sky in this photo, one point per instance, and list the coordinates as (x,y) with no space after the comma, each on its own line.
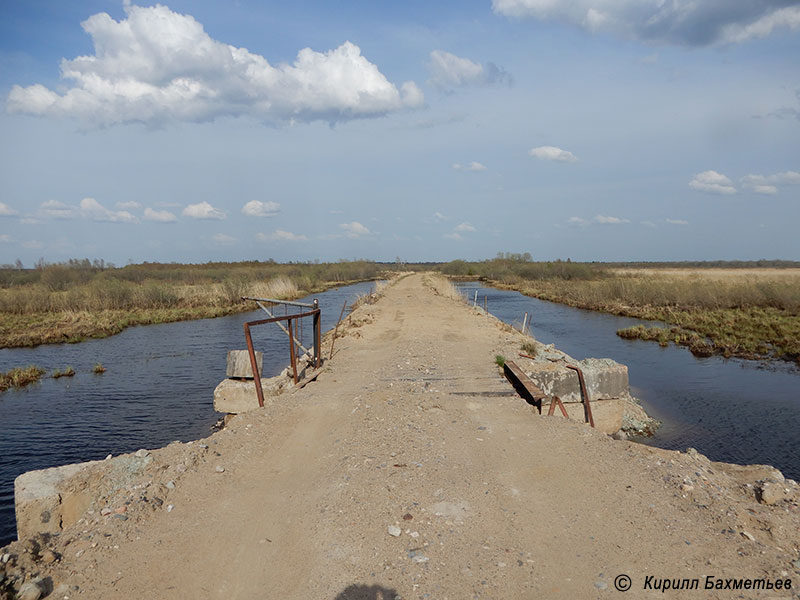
(211,130)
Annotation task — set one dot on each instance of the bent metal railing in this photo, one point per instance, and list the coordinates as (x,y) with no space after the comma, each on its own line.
(289,330)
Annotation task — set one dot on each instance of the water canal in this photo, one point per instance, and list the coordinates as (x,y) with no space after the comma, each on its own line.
(730,410)
(158,388)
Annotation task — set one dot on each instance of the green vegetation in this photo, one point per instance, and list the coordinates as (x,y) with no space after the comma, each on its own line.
(748,309)
(730,309)
(68,372)
(735,317)
(20,377)
(99,369)
(500,360)
(69,302)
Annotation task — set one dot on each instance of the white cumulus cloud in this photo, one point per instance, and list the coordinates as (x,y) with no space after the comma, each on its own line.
(161,216)
(606,220)
(679,22)
(7,211)
(762,188)
(601,219)
(256,208)
(156,66)
(88,208)
(453,236)
(355,229)
(769,184)
(462,227)
(450,71)
(712,182)
(203,210)
(553,153)
(473,166)
(677,221)
(92,209)
(279,235)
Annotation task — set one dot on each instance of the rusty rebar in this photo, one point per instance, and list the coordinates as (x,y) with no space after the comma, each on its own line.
(584,393)
(253,364)
(557,401)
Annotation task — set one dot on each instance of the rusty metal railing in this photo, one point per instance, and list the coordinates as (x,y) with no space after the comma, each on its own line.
(290,331)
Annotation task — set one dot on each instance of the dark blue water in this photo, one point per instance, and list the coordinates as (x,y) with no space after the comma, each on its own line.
(730,410)
(158,388)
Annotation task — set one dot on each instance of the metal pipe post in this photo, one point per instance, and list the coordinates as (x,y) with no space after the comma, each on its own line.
(284,302)
(291,351)
(253,364)
(317,336)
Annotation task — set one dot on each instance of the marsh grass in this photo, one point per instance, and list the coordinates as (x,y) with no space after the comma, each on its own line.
(98,369)
(72,302)
(741,309)
(67,372)
(441,286)
(20,377)
(740,316)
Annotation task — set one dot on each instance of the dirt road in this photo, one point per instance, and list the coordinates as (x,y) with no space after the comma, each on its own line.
(407,430)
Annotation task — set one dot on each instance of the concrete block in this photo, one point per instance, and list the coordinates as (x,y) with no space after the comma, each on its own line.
(555,379)
(749,474)
(50,500)
(239,363)
(605,379)
(237,396)
(37,499)
(607,414)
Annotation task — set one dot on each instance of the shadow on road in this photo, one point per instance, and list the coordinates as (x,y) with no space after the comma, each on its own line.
(367,592)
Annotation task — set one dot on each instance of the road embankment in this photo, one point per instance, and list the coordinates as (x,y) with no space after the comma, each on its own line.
(408,470)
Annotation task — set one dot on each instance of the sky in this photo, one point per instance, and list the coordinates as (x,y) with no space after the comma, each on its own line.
(206,130)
